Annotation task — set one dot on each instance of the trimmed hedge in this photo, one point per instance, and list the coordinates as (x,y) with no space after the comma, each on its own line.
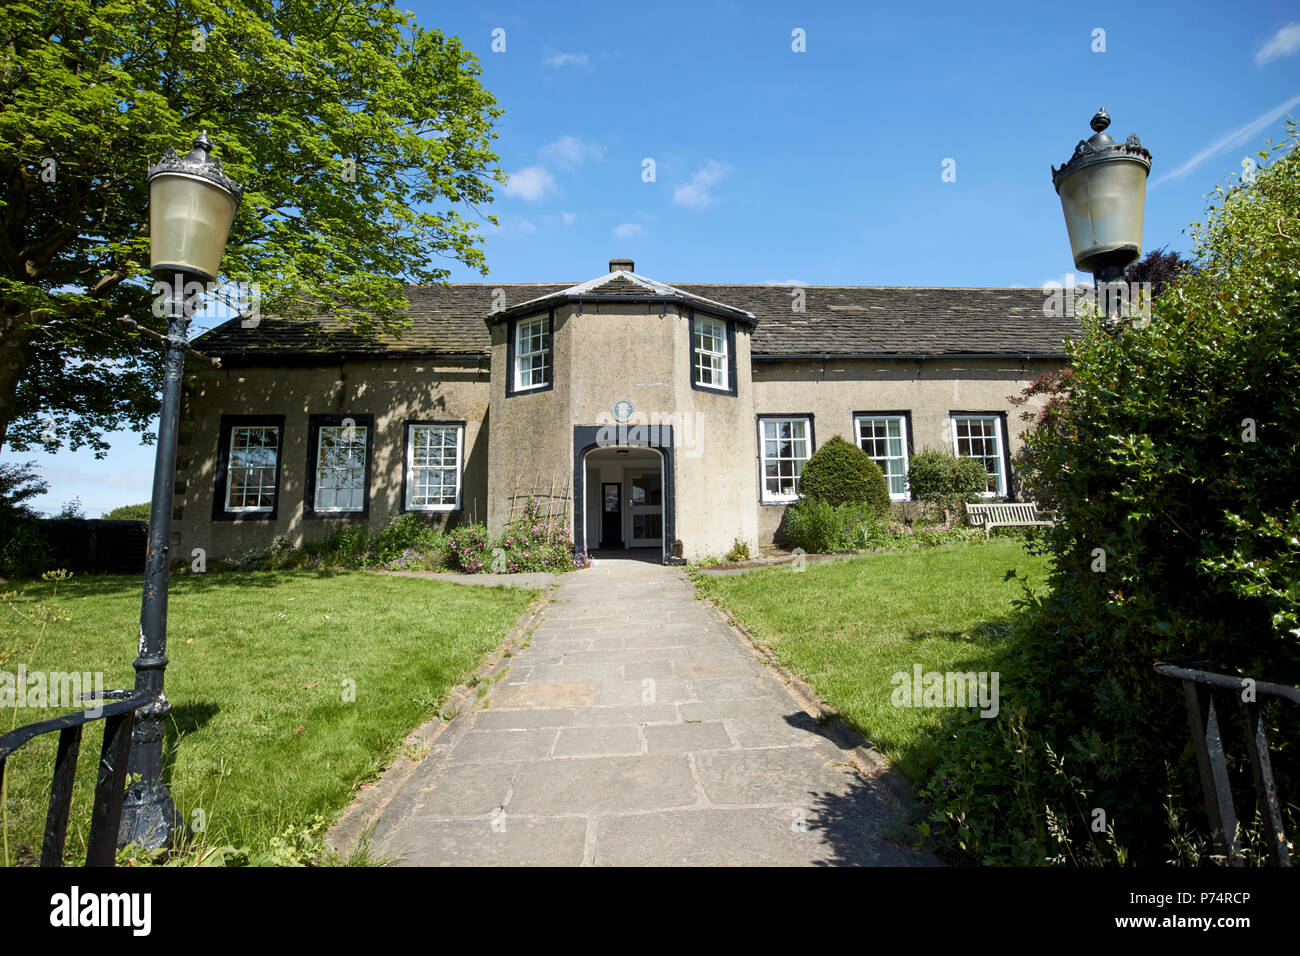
(839,472)
(940,478)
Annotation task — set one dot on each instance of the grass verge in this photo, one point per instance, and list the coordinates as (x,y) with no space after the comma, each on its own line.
(847,626)
(289,689)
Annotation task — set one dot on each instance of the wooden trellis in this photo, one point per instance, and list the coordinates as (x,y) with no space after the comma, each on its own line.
(552,495)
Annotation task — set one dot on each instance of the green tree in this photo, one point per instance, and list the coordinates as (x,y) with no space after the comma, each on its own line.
(1160,267)
(23,550)
(361,137)
(1173,467)
(129,513)
(840,472)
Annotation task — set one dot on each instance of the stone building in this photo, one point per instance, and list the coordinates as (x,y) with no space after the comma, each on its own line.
(671,417)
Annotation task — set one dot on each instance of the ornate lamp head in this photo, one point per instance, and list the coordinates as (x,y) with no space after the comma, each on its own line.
(1103,193)
(192,203)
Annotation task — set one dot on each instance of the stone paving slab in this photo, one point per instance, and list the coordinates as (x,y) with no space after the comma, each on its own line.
(635,728)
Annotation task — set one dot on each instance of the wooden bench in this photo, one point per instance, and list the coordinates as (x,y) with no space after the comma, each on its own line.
(1009,515)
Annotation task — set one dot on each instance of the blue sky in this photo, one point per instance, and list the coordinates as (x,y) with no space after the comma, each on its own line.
(824,166)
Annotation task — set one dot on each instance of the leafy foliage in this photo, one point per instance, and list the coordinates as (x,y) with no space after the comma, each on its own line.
(812,524)
(840,472)
(1160,267)
(24,551)
(471,548)
(943,481)
(129,513)
(360,136)
(408,542)
(739,551)
(71,509)
(818,527)
(533,542)
(1054,384)
(1174,461)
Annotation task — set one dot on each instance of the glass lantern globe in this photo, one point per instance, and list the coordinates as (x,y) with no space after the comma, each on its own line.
(192,204)
(1103,194)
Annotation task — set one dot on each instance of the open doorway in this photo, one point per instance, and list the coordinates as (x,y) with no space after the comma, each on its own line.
(624,499)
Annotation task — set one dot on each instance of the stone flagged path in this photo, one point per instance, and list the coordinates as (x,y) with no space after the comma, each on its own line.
(637,729)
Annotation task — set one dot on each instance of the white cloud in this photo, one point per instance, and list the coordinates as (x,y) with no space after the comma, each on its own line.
(695,194)
(628,230)
(569,151)
(1067,281)
(1283,43)
(72,476)
(531,184)
(568,218)
(566,59)
(1238,136)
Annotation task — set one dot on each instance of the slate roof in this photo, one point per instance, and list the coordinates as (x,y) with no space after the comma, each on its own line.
(625,285)
(838,320)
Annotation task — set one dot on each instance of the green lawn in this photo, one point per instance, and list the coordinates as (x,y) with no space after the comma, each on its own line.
(847,626)
(260,737)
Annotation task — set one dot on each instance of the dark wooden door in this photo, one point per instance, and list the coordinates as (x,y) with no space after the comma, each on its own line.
(611,514)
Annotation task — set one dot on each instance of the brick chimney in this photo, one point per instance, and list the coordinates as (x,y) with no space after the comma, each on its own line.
(622,265)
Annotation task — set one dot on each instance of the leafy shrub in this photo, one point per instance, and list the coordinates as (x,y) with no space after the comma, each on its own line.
(1174,453)
(71,509)
(739,551)
(408,535)
(471,548)
(817,527)
(24,551)
(533,542)
(129,513)
(839,472)
(410,542)
(943,481)
(813,525)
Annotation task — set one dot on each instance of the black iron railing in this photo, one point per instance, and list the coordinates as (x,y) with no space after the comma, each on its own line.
(117,709)
(1203,717)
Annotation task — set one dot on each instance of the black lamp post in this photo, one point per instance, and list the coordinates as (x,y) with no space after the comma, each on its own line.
(1103,191)
(192,203)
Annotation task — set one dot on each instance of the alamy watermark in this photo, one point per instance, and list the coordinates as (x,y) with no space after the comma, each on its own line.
(1132,300)
(220,300)
(946,689)
(679,430)
(57,689)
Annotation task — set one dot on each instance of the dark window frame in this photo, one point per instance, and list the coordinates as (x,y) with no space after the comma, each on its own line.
(314,424)
(758,434)
(406,466)
(228,424)
(730,326)
(512,339)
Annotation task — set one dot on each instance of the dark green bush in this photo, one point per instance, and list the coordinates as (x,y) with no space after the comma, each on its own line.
(408,534)
(817,527)
(941,480)
(839,472)
(1174,459)
(813,525)
(24,552)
